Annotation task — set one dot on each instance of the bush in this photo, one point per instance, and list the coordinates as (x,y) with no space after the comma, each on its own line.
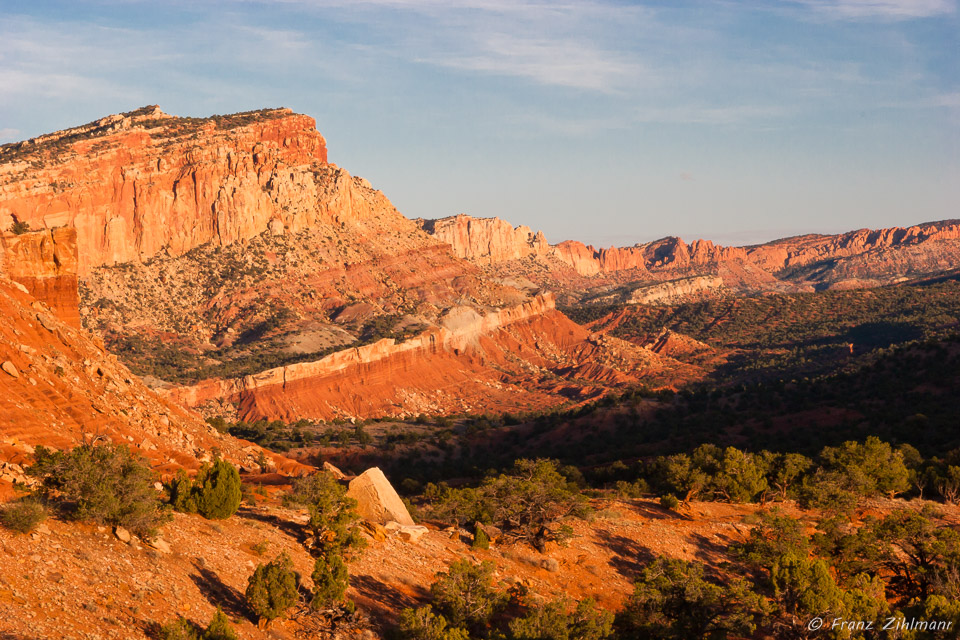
(215,493)
(182,629)
(480,539)
(23,515)
(669,501)
(332,513)
(219,628)
(672,599)
(100,482)
(525,503)
(423,624)
(465,594)
(272,589)
(869,468)
(331,579)
(179,629)
(555,621)
(19,227)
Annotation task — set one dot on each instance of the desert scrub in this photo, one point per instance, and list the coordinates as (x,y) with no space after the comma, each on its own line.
(215,493)
(272,589)
(103,483)
(23,515)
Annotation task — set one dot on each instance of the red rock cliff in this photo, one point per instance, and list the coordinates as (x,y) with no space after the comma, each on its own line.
(137,183)
(45,262)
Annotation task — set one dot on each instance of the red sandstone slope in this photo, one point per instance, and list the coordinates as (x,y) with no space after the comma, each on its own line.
(862,257)
(59,386)
(518,359)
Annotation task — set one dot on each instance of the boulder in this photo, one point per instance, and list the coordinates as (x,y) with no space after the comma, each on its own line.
(160,545)
(407,532)
(377,501)
(10,368)
(122,534)
(334,471)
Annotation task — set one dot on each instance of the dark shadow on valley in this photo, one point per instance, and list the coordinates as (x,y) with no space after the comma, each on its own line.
(385,600)
(631,557)
(220,594)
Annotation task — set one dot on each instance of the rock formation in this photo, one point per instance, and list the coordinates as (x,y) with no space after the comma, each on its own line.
(857,258)
(138,183)
(45,262)
(377,500)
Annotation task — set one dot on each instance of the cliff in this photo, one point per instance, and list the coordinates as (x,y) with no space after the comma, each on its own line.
(45,262)
(138,183)
(486,240)
(865,256)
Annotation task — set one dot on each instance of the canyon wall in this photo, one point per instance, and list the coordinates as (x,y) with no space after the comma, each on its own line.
(486,240)
(45,262)
(923,248)
(138,183)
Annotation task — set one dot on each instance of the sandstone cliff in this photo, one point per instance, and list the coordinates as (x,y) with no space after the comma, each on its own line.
(137,183)
(45,262)
(858,258)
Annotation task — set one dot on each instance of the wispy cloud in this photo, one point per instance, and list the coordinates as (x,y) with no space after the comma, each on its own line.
(890,9)
(9,135)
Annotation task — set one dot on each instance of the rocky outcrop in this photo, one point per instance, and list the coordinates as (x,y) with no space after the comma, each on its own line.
(377,500)
(673,290)
(45,262)
(139,183)
(858,258)
(486,240)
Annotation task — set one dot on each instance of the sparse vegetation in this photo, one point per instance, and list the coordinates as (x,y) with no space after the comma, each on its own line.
(102,483)
(215,493)
(23,515)
(272,589)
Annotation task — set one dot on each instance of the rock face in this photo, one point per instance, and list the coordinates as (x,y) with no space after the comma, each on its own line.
(673,290)
(486,240)
(493,361)
(45,262)
(865,256)
(137,183)
(377,500)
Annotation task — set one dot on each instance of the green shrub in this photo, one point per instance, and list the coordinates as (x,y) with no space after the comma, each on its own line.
(215,493)
(100,482)
(669,501)
(219,628)
(272,589)
(869,468)
(217,490)
(330,579)
(332,514)
(526,503)
(465,594)
(422,624)
(480,539)
(23,515)
(673,599)
(179,629)
(555,621)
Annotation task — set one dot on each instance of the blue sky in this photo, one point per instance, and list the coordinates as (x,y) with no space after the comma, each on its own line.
(610,122)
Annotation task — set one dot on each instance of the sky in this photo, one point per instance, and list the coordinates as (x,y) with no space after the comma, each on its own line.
(606,121)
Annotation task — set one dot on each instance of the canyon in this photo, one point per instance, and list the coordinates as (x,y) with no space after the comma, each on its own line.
(233,266)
